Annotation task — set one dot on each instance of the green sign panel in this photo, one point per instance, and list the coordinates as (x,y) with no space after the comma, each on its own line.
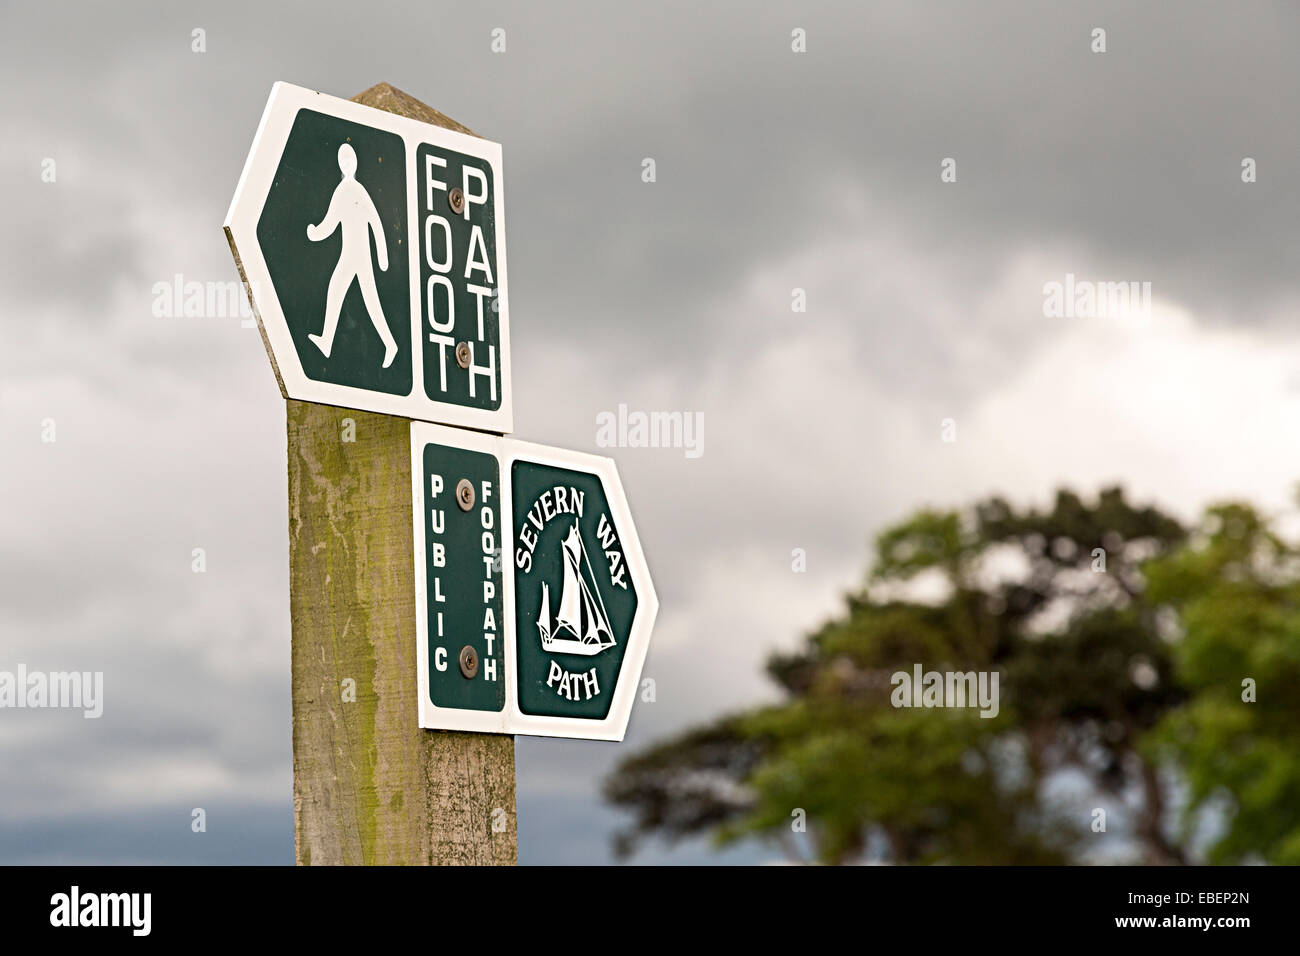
(373,248)
(458,269)
(462,577)
(574,604)
(574,600)
(347,302)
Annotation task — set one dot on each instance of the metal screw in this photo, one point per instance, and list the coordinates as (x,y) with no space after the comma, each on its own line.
(462,354)
(465,494)
(468,661)
(456,200)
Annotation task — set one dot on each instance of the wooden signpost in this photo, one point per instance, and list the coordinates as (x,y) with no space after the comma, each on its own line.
(448,588)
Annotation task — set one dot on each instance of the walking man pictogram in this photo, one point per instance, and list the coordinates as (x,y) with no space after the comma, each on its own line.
(352,208)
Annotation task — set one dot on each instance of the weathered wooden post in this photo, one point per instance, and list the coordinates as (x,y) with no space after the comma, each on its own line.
(449,587)
(369,786)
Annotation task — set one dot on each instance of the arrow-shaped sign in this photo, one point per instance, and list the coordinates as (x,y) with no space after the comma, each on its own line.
(533,600)
(373,249)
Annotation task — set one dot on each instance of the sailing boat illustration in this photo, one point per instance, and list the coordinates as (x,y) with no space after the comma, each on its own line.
(581,624)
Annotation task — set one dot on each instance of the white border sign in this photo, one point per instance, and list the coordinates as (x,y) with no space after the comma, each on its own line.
(241,226)
(512,719)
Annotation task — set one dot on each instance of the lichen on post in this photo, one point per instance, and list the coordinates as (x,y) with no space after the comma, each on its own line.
(371,787)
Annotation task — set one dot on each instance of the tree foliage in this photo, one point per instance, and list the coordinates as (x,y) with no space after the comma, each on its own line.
(1121,641)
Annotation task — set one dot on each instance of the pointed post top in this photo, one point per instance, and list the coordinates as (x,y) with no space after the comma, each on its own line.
(385,96)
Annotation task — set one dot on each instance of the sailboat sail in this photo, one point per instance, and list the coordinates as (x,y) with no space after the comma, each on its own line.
(581,624)
(569,613)
(544,616)
(594,622)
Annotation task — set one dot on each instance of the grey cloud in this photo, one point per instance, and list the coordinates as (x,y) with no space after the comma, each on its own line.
(774,169)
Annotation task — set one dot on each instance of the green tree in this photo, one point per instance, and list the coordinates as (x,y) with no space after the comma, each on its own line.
(1120,643)
(1236,593)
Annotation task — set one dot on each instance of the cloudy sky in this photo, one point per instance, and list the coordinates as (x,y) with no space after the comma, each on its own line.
(776,170)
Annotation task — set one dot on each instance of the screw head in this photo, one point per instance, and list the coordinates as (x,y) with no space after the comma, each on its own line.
(462,354)
(468,661)
(456,200)
(465,494)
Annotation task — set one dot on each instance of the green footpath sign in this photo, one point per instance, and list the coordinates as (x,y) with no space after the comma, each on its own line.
(373,249)
(533,600)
